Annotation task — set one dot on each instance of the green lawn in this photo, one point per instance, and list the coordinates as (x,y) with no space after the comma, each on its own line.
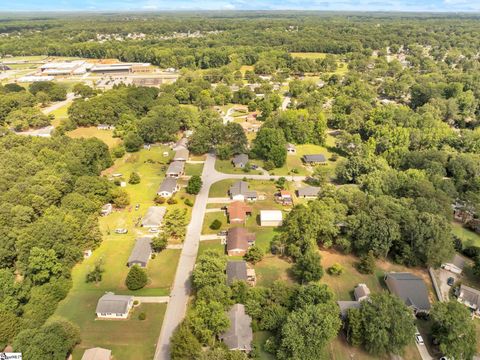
(272,268)
(227,167)
(263,187)
(128,339)
(193,169)
(210,217)
(220,188)
(210,245)
(308,55)
(60,114)
(467,236)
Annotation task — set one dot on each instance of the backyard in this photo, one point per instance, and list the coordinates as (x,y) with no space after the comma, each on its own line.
(467,236)
(88,132)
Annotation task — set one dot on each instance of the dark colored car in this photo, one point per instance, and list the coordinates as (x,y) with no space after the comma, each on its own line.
(450,281)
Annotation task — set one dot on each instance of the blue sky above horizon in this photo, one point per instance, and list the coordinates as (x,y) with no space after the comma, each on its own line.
(158,5)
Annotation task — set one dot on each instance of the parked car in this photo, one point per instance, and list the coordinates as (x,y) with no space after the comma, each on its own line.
(254,167)
(121,231)
(137,207)
(222,233)
(450,281)
(153,230)
(419,339)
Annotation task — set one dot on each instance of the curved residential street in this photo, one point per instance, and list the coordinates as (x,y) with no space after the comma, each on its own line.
(181,290)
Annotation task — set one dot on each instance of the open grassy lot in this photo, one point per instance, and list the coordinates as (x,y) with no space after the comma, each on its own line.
(88,132)
(263,187)
(210,245)
(128,339)
(193,169)
(308,55)
(60,114)
(272,268)
(212,216)
(467,236)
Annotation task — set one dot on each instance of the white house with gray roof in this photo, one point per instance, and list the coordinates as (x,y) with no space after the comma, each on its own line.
(111,306)
(239,335)
(168,187)
(181,154)
(240,160)
(308,192)
(239,191)
(154,216)
(141,252)
(470,297)
(175,169)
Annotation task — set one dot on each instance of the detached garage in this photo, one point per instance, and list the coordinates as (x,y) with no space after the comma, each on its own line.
(271,218)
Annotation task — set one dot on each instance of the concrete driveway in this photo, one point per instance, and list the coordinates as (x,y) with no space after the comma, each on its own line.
(443,276)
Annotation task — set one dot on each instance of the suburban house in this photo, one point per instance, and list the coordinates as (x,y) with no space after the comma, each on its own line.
(175,169)
(181,154)
(106,209)
(346,305)
(111,306)
(470,297)
(168,187)
(361,292)
(240,160)
(180,144)
(236,270)
(285,197)
(97,353)
(271,218)
(154,216)
(291,149)
(141,252)
(105,127)
(455,265)
(410,288)
(314,159)
(239,335)
(237,212)
(238,241)
(239,191)
(308,192)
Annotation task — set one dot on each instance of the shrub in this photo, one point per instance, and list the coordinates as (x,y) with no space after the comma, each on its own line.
(172,201)
(194,185)
(159,199)
(471,251)
(367,263)
(136,278)
(254,254)
(142,316)
(132,142)
(216,224)
(335,269)
(188,202)
(135,303)
(159,243)
(118,151)
(269,165)
(134,178)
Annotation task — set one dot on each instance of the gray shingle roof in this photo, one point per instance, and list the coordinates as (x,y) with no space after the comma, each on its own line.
(345,305)
(113,304)
(236,270)
(361,291)
(239,336)
(410,288)
(240,159)
(141,252)
(308,191)
(97,353)
(470,295)
(181,154)
(175,167)
(154,216)
(314,158)
(168,184)
(241,188)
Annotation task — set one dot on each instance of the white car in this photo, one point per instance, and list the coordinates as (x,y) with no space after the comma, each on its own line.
(419,339)
(153,230)
(121,231)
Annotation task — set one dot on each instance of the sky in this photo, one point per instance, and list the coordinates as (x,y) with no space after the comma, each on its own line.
(158,5)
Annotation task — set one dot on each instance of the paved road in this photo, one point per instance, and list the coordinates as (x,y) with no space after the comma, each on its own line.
(58,105)
(181,290)
(286,102)
(152,299)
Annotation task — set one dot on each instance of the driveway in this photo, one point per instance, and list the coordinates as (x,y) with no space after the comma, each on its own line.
(443,276)
(182,286)
(58,105)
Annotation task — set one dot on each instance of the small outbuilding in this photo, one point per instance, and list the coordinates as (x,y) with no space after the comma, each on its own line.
(154,216)
(97,353)
(239,335)
(271,218)
(111,306)
(240,160)
(361,292)
(141,252)
(168,187)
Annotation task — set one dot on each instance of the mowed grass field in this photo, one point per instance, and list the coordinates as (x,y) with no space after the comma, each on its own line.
(129,339)
(88,132)
(468,237)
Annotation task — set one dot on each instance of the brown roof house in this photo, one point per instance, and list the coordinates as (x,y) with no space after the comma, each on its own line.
(240,335)
(410,288)
(238,241)
(237,212)
(97,353)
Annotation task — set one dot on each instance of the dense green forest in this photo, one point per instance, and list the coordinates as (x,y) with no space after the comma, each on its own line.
(404,116)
